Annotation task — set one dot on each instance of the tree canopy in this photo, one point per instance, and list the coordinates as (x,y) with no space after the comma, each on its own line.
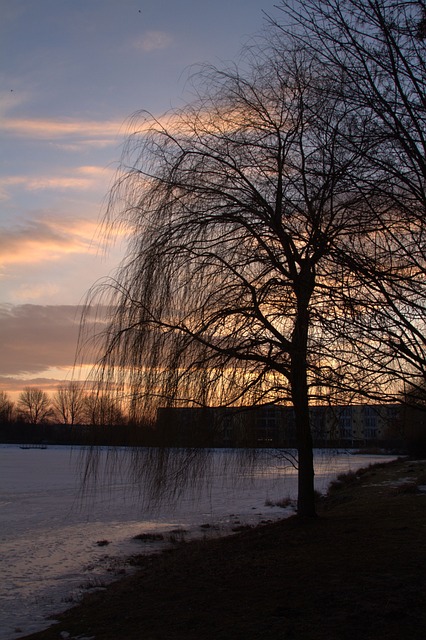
(379,47)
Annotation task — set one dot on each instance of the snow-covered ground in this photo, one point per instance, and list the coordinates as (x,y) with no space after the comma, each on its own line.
(56,542)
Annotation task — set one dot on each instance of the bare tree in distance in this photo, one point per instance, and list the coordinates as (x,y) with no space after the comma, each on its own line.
(236,212)
(68,402)
(379,47)
(34,405)
(101,410)
(6,408)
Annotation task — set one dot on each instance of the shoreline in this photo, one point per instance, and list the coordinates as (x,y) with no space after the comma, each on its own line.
(50,542)
(358,568)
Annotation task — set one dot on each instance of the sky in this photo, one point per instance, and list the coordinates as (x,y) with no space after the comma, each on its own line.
(72,72)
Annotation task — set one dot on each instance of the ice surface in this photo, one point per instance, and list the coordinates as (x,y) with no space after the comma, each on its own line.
(56,542)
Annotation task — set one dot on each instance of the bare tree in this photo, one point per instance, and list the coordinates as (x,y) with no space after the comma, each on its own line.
(237,210)
(379,47)
(102,409)
(34,405)
(277,238)
(68,403)
(6,408)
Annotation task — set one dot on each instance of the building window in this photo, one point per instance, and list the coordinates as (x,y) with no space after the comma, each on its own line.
(345,422)
(370,422)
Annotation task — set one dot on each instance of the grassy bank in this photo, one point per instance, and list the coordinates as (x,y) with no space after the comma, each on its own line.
(358,571)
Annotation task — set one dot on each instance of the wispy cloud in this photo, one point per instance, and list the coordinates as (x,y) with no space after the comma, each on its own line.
(78,178)
(153,41)
(60,129)
(46,240)
(77,135)
(33,293)
(66,131)
(37,183)
(13,386)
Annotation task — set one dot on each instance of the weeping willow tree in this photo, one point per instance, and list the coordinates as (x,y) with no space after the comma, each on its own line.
(240,209)
(276,228)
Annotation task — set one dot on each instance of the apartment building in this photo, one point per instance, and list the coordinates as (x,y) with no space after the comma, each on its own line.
(274,425)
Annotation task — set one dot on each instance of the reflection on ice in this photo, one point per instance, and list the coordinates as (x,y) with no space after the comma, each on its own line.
(57,540)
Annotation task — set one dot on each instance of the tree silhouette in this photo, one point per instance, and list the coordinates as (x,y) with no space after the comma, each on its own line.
(378,46)
(102,410)
(236,210)
(6,408)
(34,405)
(68,403)
(276,226)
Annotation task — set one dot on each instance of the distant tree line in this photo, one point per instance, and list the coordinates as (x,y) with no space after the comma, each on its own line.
(71,415)
(77,417)
(71,404)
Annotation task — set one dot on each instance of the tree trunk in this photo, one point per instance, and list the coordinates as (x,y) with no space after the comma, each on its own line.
(306,490)
(300,396)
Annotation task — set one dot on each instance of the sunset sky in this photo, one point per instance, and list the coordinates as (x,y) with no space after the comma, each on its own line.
(71,74)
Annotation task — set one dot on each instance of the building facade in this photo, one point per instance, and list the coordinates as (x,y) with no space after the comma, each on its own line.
(274,425)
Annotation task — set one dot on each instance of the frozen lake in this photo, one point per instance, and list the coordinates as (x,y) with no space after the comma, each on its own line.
(56,541)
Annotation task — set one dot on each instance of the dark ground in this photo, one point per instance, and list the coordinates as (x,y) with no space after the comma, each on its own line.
(356,572)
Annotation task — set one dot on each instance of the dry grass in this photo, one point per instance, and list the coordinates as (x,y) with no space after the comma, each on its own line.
(355,572)
(284,503)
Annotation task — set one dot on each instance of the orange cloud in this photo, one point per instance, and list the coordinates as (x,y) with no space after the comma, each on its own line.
(14,386)
(54,129)
(71,134)
(83,178)
(51,238)
(46,240)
